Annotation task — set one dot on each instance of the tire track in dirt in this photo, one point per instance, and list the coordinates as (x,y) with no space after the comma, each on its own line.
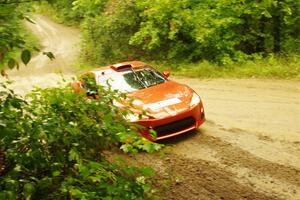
(179,177)
(251,166)
(202,166)
(283,153)
(220,183)
(258,173)
(268,107)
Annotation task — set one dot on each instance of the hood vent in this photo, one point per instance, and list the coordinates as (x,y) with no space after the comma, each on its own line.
(118,67)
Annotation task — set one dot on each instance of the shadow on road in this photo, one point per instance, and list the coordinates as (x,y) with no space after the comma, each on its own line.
(181,138)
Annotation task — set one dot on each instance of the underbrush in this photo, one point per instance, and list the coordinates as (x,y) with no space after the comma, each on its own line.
(271,67)
(62,14)
(51,146)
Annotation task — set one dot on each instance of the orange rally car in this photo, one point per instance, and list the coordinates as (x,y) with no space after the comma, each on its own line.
(172,108)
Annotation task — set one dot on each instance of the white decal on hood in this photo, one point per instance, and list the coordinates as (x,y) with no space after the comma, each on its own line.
(164,103)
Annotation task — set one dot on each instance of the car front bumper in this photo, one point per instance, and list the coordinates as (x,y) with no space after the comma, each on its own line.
(173,125)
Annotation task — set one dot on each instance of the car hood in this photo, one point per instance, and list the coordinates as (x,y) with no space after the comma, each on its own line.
(163,100)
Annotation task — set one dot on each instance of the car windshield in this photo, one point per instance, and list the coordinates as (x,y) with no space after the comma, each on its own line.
(132,79)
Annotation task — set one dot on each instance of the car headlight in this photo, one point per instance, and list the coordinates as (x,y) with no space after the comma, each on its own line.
(195,99)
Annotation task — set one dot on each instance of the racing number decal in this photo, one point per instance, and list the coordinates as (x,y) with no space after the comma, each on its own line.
(164,103)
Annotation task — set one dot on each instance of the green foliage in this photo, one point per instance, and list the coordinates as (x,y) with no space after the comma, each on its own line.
(11,37)
(53,146)
(89,8)
(106,34)
(16,42)
(166,28)
(25,56)
(63,11)
(222,32)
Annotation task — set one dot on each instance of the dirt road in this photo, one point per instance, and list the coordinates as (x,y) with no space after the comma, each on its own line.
(62,41)
(249,148)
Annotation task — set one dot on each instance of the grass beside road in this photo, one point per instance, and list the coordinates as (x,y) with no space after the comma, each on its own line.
(269,68)
(274,68)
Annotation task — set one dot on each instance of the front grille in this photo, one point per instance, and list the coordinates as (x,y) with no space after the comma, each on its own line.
(174,127)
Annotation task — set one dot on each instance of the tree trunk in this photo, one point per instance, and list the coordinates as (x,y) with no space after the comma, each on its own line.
(277,28)
(260,45)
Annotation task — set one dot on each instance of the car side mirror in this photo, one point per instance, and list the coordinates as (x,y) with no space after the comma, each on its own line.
(166,73)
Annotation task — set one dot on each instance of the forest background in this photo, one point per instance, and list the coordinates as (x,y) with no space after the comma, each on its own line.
(198,38)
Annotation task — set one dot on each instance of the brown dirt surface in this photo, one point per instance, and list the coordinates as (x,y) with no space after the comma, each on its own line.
(249,147)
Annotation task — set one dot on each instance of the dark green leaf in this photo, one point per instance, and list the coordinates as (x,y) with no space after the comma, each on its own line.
(29,20)
(26,56)
(56,173)
(50,55)
(36,49)
(28,190)
(11,63)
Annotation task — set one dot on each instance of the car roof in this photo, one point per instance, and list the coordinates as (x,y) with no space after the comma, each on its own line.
(133,64)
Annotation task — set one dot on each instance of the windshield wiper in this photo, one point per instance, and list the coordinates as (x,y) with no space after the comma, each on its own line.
(138,78)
